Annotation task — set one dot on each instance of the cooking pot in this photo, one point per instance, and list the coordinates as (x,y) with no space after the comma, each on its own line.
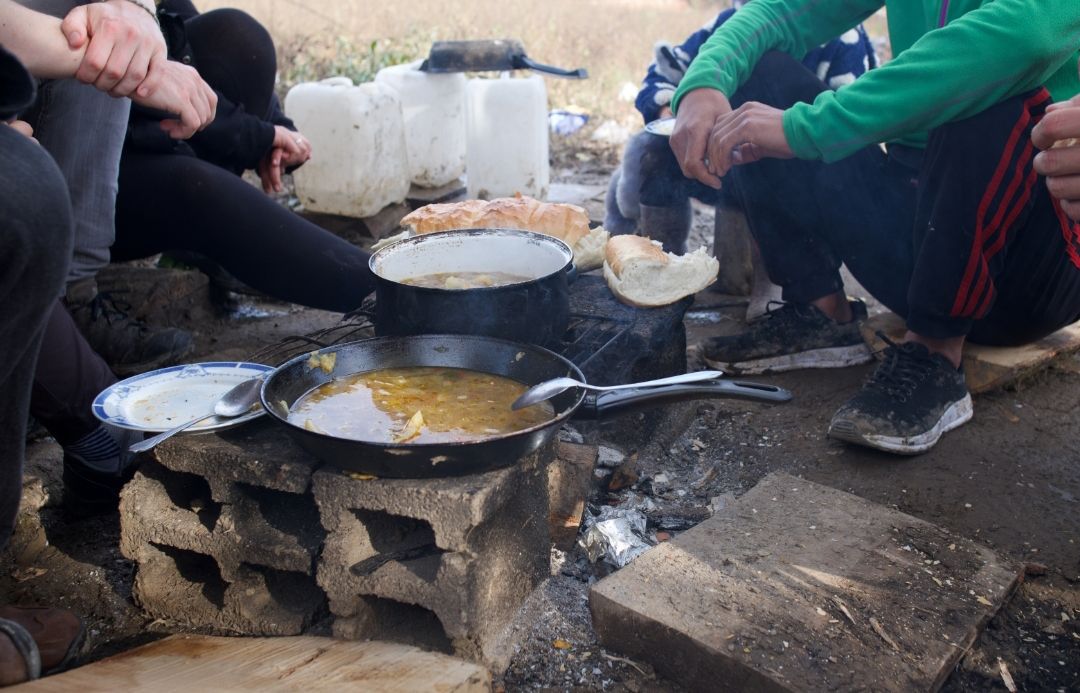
(536,311)
(525,363)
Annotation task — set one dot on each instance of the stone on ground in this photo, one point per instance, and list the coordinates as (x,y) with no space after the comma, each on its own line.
(800,587)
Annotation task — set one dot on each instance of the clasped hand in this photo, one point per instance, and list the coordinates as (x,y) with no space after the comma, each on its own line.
(125,55)
(710,138)
(1058,136)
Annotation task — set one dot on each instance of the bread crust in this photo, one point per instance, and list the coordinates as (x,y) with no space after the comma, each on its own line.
(569,223)
(621,250)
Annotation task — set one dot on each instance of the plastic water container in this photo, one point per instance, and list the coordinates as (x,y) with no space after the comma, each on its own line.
(506,135)
(358,162)
(433,106)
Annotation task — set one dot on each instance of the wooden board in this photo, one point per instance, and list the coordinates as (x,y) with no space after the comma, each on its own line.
(570,479)
(986,368)
(203,663)
(800,587)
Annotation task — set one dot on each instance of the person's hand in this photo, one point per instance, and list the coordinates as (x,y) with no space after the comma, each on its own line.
(750,133)
(665,112)
(123,45)
(699,111)
(22,127)
(183,93)
(289,149)
(1058,136)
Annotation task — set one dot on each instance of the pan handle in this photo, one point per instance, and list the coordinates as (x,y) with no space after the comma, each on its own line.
(522,62)
(633,398)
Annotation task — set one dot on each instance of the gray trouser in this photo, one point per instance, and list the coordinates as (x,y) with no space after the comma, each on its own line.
(83,128)
(35,245)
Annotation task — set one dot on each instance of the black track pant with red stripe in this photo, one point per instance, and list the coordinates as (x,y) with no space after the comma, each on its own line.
(960,239)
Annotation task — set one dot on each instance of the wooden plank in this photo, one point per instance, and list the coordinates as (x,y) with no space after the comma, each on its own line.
(569,483)
(986,368)
(205,663)
(799,587)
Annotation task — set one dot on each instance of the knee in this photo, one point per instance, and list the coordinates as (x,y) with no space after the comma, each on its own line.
(37,215)
(236,30)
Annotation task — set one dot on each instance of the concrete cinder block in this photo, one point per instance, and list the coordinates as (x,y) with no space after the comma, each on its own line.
(258,454)
(186,586)
(246,566)
(487,539)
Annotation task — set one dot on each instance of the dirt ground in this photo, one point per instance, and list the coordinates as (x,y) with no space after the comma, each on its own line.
(1009,479)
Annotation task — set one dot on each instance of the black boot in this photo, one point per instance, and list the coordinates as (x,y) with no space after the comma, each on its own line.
(128,345)
(669,225)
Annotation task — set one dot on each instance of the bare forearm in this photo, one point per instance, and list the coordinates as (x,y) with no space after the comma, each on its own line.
(36,39)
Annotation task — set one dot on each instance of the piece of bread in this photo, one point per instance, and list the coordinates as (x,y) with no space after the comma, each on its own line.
(641,274)
(589,251)
(568,223)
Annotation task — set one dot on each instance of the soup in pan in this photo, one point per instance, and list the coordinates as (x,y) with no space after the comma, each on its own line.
(465,280)
(417,405)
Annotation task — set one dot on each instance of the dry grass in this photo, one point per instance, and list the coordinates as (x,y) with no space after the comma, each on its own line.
(612,38)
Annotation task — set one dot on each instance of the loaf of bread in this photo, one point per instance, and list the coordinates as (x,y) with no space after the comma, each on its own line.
(640,273)
(568,223)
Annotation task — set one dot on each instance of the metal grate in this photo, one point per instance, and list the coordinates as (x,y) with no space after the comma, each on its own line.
(589,336)
(348,330)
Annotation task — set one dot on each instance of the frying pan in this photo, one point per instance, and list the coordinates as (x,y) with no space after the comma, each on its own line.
(524,363)
(489,55)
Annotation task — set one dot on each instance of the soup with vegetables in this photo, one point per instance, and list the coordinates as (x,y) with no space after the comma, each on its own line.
(465,280)
(417,405)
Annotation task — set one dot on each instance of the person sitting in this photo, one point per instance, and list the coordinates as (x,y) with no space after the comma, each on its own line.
(37,240)
(648,192)
(189,196)
(81,123)
(949,226)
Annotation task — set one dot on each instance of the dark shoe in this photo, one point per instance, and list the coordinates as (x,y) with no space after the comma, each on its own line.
(907,404)
(128,345)
(88,490)
(790,337)
(36,641)
(669,225)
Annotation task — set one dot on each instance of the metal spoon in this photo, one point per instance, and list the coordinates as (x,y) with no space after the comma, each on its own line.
(549,388)
(233,403)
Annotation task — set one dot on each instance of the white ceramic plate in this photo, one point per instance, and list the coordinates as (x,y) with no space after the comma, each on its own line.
(159,400)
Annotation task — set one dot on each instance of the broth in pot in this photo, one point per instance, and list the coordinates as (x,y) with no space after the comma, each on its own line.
(417,405)
(465,280)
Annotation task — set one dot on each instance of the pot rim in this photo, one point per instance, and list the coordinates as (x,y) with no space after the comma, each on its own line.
(380,256)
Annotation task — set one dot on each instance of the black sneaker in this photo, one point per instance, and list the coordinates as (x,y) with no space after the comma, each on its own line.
(907,404)
(790,337)
(128,345)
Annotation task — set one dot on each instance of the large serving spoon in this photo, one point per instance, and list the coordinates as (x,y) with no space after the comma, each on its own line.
(233,403)
(549,388)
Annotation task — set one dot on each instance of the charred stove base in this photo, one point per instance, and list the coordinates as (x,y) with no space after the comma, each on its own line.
(243,533)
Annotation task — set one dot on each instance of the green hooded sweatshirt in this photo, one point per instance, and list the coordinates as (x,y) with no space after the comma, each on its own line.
(953,59)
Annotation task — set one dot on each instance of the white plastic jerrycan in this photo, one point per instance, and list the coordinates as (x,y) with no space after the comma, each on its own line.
(506,126)
(358,162)
(433,106)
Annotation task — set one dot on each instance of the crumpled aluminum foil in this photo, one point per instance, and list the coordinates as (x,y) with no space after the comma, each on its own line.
(616,535)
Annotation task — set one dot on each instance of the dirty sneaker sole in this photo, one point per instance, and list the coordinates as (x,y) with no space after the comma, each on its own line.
(957,414)
(831,357)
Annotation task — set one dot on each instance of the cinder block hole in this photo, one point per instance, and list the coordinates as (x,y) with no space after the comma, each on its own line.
(186,491)
(295,592)
(293,514)
(408,623)
(198,569)
(407,540)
